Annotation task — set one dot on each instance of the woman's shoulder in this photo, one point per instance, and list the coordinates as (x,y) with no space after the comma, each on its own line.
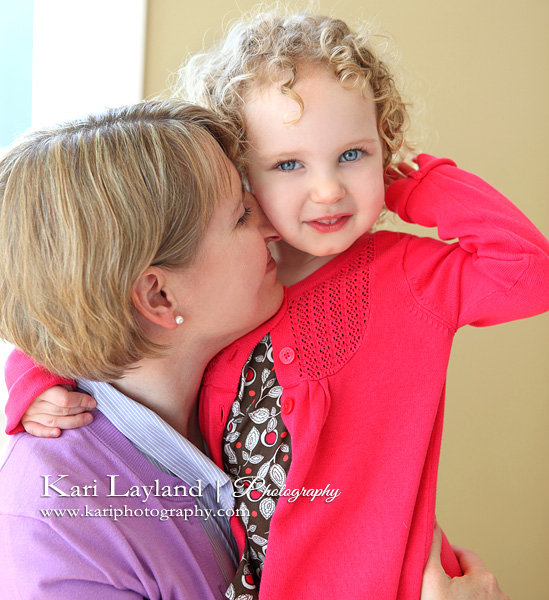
(30,463)
(43,471)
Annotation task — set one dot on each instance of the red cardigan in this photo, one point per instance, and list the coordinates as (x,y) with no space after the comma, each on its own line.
(361,348)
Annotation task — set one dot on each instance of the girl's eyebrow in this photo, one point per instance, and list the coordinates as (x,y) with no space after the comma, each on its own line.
(285,154)
(277,156)
(365,141)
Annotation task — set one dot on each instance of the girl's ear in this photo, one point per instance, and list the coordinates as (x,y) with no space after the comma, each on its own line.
(154,299)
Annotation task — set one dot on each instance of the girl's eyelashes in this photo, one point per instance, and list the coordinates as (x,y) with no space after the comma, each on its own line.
(288,165)
(351,155)
(246,215)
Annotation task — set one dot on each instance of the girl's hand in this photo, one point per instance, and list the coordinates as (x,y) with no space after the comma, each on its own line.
(400,171)
(55,409)
(477,583)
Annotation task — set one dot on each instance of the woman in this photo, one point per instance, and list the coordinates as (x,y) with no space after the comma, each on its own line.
(130,255)
(108,227)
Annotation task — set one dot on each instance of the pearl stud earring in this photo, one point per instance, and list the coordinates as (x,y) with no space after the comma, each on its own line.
(179,319)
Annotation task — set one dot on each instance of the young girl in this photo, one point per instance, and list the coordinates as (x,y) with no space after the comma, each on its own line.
(331,430)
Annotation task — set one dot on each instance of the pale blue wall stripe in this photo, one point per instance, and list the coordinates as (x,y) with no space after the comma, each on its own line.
(16,21)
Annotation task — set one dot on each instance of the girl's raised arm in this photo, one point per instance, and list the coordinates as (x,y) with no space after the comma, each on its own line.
(497,271)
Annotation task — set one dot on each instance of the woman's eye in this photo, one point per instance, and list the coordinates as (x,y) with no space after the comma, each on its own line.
(351,155)
(288,165)
(246,215)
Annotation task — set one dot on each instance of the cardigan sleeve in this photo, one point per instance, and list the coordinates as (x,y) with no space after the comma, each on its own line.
(497,271)
(25,381)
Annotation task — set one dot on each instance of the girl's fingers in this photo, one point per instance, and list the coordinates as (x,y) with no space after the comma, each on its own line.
(38,425)
(39,430)
(61,404)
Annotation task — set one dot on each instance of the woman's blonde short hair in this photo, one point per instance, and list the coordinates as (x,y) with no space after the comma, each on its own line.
(85,208)
(270,46)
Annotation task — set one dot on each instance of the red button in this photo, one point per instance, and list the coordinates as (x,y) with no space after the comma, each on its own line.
(286,355)
(287,406)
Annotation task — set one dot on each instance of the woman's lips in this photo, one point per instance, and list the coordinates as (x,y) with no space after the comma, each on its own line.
(329,224)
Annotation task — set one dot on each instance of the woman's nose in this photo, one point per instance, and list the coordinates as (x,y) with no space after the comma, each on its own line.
(326,188)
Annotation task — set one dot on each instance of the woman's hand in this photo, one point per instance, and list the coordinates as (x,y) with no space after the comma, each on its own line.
(476,583)
(55,409)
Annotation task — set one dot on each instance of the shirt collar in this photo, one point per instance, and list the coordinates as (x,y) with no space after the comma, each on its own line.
(157,440)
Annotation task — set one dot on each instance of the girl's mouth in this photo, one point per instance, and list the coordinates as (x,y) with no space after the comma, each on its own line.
(329,224)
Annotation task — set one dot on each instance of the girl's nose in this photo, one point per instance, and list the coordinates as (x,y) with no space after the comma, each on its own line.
(326,189)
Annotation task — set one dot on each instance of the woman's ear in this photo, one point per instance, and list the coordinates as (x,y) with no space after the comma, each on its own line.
(154,299)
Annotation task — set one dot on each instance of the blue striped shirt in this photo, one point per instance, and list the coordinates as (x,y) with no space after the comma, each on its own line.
(170,452)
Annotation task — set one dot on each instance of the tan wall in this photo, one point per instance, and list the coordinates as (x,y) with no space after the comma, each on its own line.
(480,67)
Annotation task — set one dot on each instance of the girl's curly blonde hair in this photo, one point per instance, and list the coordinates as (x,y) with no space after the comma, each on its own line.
(269,47)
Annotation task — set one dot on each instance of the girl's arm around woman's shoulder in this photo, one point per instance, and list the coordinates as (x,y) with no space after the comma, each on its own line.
(53,408)
(497,271)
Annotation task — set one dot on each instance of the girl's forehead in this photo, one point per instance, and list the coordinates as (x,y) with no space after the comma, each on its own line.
(268,76)
(321,114)
(314,89)
(287,83)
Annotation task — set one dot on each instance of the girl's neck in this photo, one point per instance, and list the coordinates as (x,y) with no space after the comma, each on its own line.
(295,265)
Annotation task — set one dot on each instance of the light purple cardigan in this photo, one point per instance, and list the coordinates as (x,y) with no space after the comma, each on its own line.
(86,556)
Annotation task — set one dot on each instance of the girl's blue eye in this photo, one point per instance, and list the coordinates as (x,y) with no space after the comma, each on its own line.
(351,155)
(244,218)
(289,165)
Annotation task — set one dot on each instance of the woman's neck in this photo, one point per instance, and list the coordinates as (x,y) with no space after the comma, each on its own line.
(293,265)
(168,386)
